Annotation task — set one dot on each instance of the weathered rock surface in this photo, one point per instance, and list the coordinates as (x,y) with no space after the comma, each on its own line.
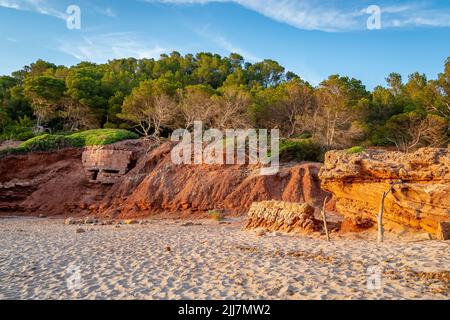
(158,185)
(420,201)
(45,183)
(56,183)
(105,166)
(53,183)
(283,216)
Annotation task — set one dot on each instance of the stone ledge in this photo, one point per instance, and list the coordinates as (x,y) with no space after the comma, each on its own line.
(283,216)
(105,166)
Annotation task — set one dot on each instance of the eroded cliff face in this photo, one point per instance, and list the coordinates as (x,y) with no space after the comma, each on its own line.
(141,180)
(157,185)
(55,183)
(421,200)
(45,183)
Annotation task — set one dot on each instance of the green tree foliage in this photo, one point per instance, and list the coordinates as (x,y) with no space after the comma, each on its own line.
(341,110)
(45,93)
(442,90)
(411,130)
(156,95)
(84,84)
(150,106)
(12,99)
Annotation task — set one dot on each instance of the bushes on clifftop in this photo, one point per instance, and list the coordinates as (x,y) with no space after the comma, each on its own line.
(47,142)
(300,150)
(100,137)
(356,149)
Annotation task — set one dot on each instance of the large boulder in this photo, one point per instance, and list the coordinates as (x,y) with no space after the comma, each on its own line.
(420,198)
(283,216)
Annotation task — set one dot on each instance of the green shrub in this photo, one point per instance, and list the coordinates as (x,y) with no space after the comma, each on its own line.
(110,125)
(47,142)
(216,215)
(17,150)
(356,149)
(100,137)
(125,126)
(16,132)
(21,129)
(303,136)
(300,150)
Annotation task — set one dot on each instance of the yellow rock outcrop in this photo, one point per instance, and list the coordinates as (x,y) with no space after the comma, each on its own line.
(421,200)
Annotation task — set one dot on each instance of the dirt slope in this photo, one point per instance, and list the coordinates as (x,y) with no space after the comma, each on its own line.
(45,183)
(56,184)
(157,185)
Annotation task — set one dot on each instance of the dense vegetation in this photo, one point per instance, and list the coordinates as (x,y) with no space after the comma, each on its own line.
(152,97)
(46,142)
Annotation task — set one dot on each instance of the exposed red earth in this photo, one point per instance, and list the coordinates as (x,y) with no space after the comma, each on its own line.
(56,183)
(137,179)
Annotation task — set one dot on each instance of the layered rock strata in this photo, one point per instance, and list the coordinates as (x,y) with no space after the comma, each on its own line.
(420,198)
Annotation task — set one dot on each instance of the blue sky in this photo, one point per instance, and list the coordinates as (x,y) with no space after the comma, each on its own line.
(310,37)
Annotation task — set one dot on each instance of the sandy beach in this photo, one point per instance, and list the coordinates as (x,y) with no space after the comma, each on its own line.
(167,259)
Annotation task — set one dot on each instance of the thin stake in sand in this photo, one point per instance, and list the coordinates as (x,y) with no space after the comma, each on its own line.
(325,218)
(380,237)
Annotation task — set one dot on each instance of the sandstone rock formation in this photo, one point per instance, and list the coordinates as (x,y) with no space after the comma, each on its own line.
(105,165)
(283,216)
(421,201)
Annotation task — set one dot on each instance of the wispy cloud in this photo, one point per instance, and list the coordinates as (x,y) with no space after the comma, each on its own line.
(108,11)
(47,7)
(231,48)
(100,48)
(39,6)
(331,15)
(11,4)
(225,44)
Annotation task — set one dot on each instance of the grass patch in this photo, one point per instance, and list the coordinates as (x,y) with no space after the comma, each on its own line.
(216,215)
(355,150)
(48,142)
(100,137)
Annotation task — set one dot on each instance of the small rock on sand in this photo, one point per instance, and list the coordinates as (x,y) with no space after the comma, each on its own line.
(260,233)
(187,224)
(69,221)
(288,290)
(80,230)
(90,220)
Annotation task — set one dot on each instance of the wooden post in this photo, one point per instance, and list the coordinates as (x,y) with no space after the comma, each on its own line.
(380,237)
(325,218)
